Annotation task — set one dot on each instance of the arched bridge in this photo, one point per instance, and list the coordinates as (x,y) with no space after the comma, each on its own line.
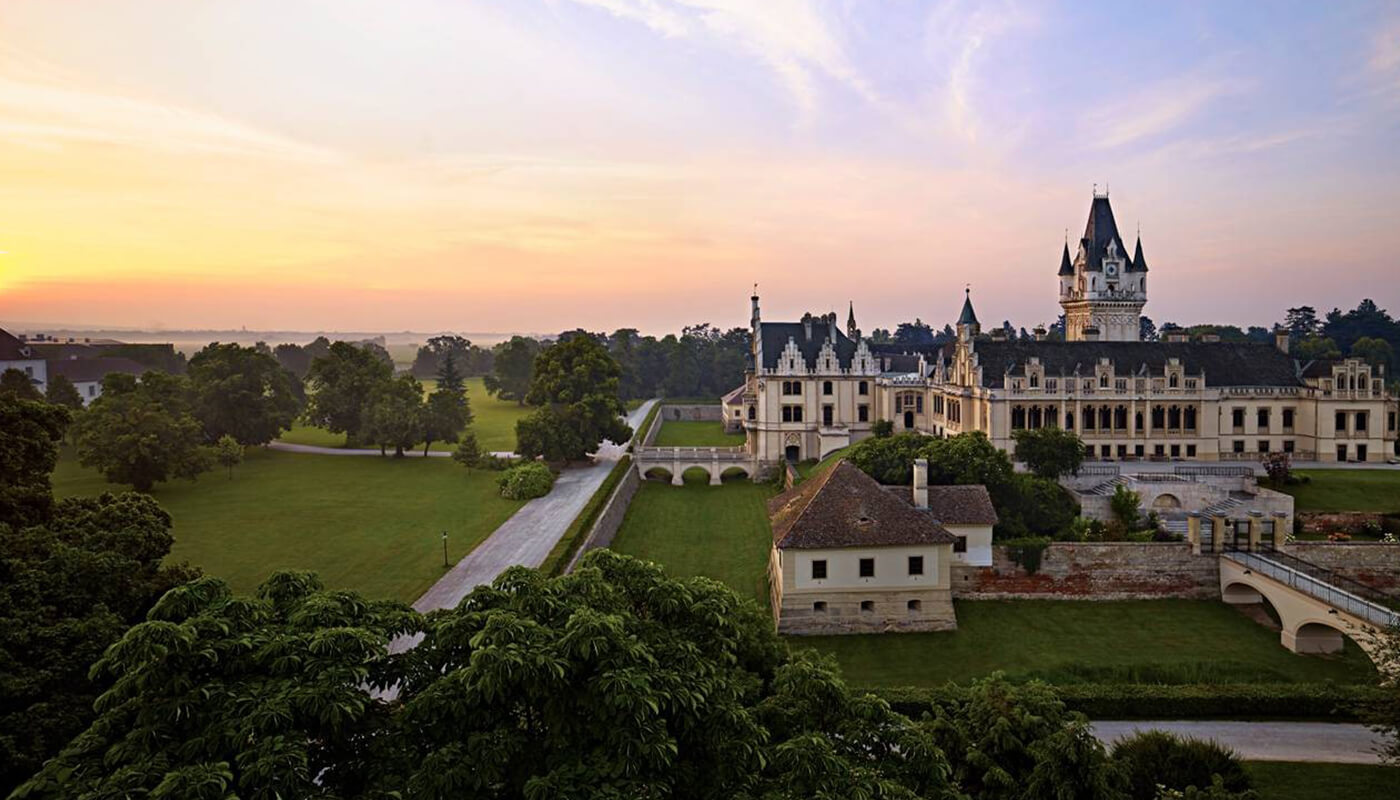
(1315,607)
(716,462)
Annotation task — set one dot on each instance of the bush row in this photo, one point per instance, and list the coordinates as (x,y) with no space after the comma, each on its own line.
(1317,701)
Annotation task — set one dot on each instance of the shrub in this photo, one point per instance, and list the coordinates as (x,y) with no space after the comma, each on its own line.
(1027,552)
(526,481)
(882,428)
(1153,758)
(1124,505)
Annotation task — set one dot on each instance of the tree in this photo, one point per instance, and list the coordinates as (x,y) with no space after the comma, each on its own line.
(1147,331)
(293,358)
(431,356)
(513,368)
(142,433)
(62,392)
(612,681)
(229,453)
(1049,452)
(1302,323)
(343,382)
(468,452)
(1376,352)
(526,481)
(30,432)
(242,393)
(394,416)
(575,386)
(881,336)
(1153,759)
(1383,712)
(1124,504)
(16,383)
(446,413)
(1317,348)
(917,332)
(70,584)
(448,376)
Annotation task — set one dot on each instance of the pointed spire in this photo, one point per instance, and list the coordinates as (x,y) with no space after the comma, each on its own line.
(968,316)
(1066,268)
(851,330)
(1139,263)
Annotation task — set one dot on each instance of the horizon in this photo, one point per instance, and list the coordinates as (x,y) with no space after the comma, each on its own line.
(604,164)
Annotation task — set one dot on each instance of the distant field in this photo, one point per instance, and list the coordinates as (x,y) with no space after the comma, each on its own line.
(364,523)
(493,421)
(1348,490)
(1286,780)
(676,433)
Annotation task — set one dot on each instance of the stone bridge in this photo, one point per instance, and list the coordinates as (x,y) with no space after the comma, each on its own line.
(716,462)
(1315,609)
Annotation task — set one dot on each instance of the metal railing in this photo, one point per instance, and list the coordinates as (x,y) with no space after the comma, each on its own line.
(1271,565)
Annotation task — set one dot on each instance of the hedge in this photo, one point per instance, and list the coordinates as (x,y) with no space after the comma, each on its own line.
(1313,701)
(572,539)
(640,433)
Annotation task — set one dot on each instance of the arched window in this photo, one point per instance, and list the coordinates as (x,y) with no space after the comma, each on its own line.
(753,414)
(1069,420)
(1088,419)
(1103,381)
(1173,381)
(1174,418)
(1159,417)
(1105,417)
(1035,380)
(1120,417)
(1137,419)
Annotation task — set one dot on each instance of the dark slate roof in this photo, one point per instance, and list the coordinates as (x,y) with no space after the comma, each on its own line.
(1066,267)
(844,507)
(1319,368)
(1098,232)
(968,316)
(1224,363)
(775,335)
(1138,264)
(12,349)
(78,370)
(954,505)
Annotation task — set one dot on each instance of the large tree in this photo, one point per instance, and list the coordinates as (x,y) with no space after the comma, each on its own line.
(445,415)
(1049,452)
(343,382)
(29,435)
(142,432)
(62,392)
(394,415)
(243,393)
(514,365)
(575,388)
(16,383)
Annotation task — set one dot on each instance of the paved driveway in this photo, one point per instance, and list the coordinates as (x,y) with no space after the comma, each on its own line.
(1267,741)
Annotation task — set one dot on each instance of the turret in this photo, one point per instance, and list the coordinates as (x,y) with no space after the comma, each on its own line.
(968,326)
(1066,272)
(851,330)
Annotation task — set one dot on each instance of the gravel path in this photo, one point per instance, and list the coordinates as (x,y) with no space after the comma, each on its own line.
(1328,742)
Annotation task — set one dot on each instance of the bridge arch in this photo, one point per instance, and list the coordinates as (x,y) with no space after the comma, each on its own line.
(735,472)
(658,474)
(1308,625)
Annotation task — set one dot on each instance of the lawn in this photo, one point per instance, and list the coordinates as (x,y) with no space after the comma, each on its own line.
(697,529)
(1065,641)
(1285,780)
(686,433)
(365,523)
(1347,490)
(493,421)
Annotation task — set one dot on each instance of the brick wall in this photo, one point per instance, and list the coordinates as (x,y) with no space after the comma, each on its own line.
(1373,563)
(1095,571)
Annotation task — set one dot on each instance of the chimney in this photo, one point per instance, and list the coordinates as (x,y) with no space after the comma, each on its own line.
(1176,335)
(1040,333)
(921,483)
(1281,340)
(754,319)
(998,334)
(807,326)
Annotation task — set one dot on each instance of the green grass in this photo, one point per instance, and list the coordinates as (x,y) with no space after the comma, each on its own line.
(369,524)
(493,421)
(1285,780)
(686,433)
(1376,490)
(1064,641)
(697,529)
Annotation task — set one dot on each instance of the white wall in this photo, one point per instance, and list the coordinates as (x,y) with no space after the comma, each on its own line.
(979,544)
(36,368)
(891,568)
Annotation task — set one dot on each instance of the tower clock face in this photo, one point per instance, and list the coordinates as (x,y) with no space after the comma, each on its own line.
(1111,269)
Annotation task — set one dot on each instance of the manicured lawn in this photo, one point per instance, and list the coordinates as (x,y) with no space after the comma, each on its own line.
(1286,780)
(697,529)
(1070,641)
(493,421)
(686,433)
(1347,490)
(364,523)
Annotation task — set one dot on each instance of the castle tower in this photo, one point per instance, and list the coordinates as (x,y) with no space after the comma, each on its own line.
(968,326)
(1103,288)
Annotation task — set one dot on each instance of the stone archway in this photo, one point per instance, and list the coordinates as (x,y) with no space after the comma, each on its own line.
(1166,501)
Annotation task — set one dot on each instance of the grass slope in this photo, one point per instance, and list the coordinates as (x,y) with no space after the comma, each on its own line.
(1348,490)
(493,420)
(696,529)
(688,433)
(1063,641)
(1286,780)
(364,523)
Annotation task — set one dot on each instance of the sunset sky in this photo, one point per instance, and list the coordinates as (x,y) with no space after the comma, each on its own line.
(536,165)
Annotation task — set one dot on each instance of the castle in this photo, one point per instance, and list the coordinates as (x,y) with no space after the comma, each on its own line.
(813,388)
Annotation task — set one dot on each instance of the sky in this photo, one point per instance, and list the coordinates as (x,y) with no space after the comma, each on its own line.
(542,165)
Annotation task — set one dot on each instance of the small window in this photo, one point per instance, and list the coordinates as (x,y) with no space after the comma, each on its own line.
(863,388)
(1262,418)
(1176,451)
(826,387)
(819,569)
(1288,445)
(916,565)
(863,413)
(1263,445)
(1103,381)
(1288,418)
(1341,421)
(819,607)
(1237,417)
(1361,421)
(1237,445)
(867,567)
(915,605)
(1190,451)
(960,545)
(1173,381)
(867,606)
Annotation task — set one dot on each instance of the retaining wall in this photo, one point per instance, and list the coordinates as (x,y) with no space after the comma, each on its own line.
(1095,571)
(691,413)
(610,518)
(1375,564)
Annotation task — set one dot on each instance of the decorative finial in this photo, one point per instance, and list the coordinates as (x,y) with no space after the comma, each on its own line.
(1096,190)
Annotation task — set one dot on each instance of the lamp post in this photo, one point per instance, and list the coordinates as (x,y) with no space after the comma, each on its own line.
(445,565)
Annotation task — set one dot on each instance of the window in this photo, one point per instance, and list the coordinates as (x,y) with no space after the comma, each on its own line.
(827,413)
(1190,451)
(1138,451)
(1035,381)
(1105,451)
(792,387)
(919,404)
(1361,420)
(1341,452)
(1288,419)
(1176,451)
(1263,445)
(752,412)
(1159,450)
(863,388)
(1190,415)
(1103,381)
(1120,385)
(863,413)
(1262,418)
(915,605)
(1237,445)
(819,607)
(1237,417)
(1174,380)
(1288,445)
(29,371)
(819,569)
(867,567)
(826,387)
(792,413)
(916,565)
(960,546)
(92,390)
(1341,421)
(1122,451)
(1361,452)
(867,606)
(1390,421)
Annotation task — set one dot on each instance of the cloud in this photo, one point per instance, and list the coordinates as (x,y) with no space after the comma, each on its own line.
(957,37)
(1156,110)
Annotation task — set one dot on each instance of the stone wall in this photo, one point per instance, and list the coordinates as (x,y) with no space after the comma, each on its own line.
(843,613)
(1095,571)
(1372,563)
(610,518)
(691,413)
(1326,522)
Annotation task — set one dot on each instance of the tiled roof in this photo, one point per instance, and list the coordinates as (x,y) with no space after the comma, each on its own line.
(1098,232)
(734,395)
(954,505)
(79,370)
(1224,363)
(775,335)
(12,349)
(844,507)
(1066,268)
(1138,264)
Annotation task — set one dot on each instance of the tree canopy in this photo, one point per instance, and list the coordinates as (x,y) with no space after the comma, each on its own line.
(393,417)
(62,392)
(343,383)
(1049,452)
(14,382)
(243,393)
(513,368)
(575,387)
(142,432)
(30,431)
